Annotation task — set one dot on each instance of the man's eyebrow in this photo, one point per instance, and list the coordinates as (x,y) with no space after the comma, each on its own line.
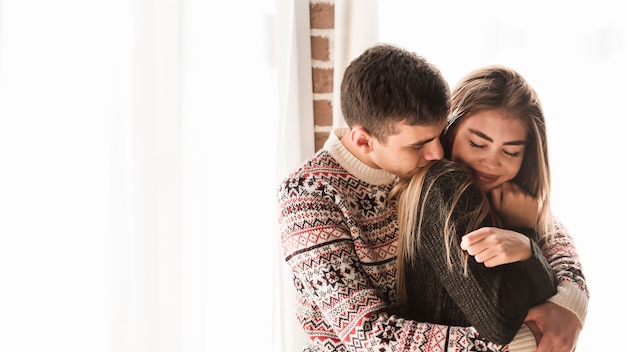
(486,137)
(422,142)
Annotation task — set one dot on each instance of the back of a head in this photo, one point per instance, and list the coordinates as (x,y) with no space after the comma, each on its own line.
(388,84)
(415,205)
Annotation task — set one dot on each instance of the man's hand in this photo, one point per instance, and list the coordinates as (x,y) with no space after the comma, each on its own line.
(559,327)
(493,246)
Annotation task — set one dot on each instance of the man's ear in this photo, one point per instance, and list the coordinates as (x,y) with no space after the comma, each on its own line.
(361,139)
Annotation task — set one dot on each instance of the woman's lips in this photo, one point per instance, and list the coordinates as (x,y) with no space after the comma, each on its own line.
(485,178)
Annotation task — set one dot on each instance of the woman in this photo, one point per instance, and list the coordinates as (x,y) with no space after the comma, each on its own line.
(497,131)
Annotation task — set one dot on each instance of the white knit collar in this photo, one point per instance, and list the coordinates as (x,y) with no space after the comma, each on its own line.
(351,163)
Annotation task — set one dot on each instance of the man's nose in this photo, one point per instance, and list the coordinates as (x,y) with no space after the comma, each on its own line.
(434,151)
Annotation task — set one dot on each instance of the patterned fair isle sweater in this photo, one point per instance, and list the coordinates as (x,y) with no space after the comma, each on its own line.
(339,238)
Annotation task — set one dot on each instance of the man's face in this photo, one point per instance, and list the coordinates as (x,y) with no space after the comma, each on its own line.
(408,151)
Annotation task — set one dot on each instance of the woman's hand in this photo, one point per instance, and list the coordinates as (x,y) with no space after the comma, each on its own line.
(516,207)
(493,246)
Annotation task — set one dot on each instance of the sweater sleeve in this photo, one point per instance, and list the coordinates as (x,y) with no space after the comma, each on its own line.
(560,250)
(338,307)
(494,300)
(536,264)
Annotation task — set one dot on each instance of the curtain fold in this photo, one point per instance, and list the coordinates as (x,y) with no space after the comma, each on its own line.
(295,144)
(147,243)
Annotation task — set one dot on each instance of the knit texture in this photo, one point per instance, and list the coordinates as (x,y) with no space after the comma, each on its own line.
(493,300)
(573,292)
(339,239)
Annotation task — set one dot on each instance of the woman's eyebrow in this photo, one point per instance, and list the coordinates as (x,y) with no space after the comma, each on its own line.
(515,143)
(480,134)
(489,139)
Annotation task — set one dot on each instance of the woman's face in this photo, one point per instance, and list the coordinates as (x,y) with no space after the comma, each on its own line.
(491,143)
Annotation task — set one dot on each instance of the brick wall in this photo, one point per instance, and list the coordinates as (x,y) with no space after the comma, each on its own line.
(322,14)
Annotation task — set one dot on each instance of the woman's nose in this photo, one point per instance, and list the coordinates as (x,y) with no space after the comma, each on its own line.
(490,160)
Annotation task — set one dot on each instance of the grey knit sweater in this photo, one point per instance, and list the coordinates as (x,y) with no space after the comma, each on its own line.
(493,300)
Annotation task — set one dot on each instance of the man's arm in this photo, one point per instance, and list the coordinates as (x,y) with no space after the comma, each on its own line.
(339,306)
(561,320)
(560,251)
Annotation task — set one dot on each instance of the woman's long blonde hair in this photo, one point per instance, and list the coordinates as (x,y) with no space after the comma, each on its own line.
(410,195)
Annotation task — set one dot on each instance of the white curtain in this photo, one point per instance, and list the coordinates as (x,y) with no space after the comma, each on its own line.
(146,177)
(295,138)
(57,223)
(139,162)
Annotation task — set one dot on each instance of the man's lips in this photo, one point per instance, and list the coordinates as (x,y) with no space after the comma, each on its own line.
(485,178)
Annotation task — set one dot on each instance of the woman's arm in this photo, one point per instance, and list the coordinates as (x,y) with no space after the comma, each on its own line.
(497,246)
(572,298)
(494,300)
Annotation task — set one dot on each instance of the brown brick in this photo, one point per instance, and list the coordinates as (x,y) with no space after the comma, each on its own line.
(322,16)
(320,139)
(322,113)
(319,48)
(322,80)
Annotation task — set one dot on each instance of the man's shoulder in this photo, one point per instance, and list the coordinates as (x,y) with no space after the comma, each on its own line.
(319,168)
(320,163)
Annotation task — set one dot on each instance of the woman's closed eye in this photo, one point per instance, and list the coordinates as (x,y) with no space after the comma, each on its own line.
(505,152)
(474,145)
(510,154)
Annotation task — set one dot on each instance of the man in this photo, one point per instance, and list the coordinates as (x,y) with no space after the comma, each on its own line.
(339,233)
